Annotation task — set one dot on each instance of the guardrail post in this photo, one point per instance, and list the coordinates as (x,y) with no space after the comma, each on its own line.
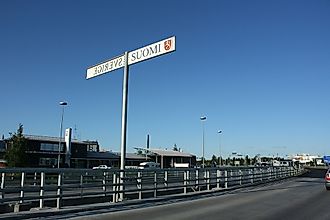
(121,185)
(22,188)
(104,182)
(208,179)
(185,182)
(42,184)
(197,179)
(218,178)
(279,173)
(81,185)
(251,175)
(286,171)
(155,184)
(139,184)
(2,185)
(188,178)
(226,179)
(240,177)
(35,179)
(272,173)
(166,179)
(276,173)
(114,187)
(269,173)
(59,191)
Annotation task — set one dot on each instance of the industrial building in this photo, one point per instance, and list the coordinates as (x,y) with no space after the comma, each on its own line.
(43,151)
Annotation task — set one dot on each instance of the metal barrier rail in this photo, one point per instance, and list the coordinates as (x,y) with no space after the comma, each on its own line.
(40,186)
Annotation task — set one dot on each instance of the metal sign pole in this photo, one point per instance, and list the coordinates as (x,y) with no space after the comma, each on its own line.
(150,51)
(124,126)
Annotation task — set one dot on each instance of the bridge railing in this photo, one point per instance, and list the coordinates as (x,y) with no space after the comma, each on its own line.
(62,187)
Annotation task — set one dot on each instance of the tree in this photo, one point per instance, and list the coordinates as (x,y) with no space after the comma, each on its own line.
(16,151)
(247,160)
(139,152)
(214,160)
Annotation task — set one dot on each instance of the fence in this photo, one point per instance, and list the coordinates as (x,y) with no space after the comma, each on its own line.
(63,187)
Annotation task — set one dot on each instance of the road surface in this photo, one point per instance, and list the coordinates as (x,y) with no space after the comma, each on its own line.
(297,198)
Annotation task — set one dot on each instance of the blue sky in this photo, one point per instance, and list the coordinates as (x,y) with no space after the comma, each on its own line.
(259,70)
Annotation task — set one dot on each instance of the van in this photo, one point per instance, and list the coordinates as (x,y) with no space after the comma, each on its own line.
(149,165)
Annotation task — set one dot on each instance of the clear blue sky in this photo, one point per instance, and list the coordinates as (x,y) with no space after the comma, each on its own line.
(259,70)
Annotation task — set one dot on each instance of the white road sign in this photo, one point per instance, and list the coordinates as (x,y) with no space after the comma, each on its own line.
(105,67)
(153,50)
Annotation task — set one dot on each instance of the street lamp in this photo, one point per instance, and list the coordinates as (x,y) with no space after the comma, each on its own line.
(63,104)
(220,159)
(203,118)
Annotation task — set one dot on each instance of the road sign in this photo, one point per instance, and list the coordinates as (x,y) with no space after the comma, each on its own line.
(326,159)
(153,50)
(105,67)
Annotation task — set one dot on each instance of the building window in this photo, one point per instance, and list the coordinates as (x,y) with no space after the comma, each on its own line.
(92,147)
(50,147)
(47,161)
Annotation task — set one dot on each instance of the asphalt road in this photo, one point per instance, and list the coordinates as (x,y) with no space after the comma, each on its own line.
(298,198)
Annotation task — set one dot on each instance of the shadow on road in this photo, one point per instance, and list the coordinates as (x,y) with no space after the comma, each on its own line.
(315,173)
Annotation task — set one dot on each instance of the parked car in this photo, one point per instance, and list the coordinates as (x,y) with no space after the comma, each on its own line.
(149,165)
(101,167)
(327,180)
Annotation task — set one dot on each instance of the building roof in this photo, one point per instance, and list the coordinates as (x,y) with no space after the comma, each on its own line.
(102,155)
(170,153)
(55,139)
(114,155)
(134,156)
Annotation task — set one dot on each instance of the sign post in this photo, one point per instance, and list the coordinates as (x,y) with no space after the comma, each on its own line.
(123,127)
(129,58)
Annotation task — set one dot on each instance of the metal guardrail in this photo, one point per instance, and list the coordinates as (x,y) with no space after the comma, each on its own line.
(55,187)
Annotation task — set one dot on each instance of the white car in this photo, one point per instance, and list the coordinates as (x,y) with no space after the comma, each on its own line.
(149,165)
(101,167)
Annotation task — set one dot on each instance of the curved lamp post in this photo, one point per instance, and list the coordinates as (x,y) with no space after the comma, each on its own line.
(203,118)
(63,104)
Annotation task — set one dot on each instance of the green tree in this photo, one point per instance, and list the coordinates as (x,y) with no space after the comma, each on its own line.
(214,160)
(139,152)
(16,149)
(247,160)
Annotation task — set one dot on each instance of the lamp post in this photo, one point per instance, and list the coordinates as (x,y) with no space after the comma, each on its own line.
(220,159)
(63,104)
(203,118)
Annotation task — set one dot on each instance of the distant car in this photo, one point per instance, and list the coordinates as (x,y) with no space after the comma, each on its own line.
(149,165)
(327,180)
(101,167)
